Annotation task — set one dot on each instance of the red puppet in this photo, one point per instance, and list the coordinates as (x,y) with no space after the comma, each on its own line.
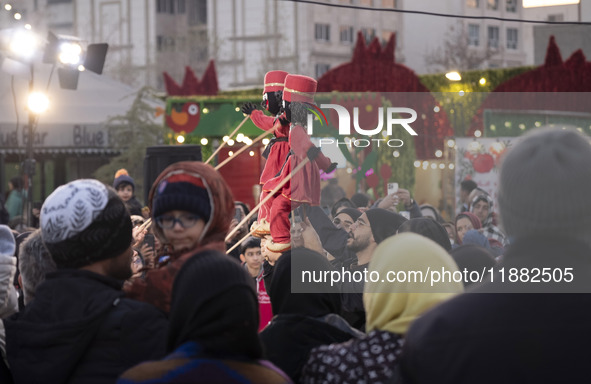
(278,149)
(304,186)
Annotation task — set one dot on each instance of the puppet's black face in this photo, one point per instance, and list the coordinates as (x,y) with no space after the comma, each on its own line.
(272,102)
(287,109)
(296,112)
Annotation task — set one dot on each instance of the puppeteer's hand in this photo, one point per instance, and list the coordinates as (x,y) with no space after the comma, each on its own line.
(248,108)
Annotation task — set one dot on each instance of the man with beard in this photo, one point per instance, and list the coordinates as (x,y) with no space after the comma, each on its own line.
(370,229)
(80,328)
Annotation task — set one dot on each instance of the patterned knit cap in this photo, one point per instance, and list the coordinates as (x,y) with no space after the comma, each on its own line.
(83,222)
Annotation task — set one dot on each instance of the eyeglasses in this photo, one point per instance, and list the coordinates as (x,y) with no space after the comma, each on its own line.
(168,222)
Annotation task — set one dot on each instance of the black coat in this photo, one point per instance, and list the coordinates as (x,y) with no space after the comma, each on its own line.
(288,339)
(509,337)
(80,328)
(134,206)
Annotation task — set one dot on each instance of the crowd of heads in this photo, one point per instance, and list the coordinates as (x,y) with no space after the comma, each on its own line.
(209,303)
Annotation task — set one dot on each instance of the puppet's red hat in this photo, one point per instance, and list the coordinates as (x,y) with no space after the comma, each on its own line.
(274,81)
(299,88)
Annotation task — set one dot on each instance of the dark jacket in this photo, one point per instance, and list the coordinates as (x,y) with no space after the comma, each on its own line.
(288,339)
(302,320)
(134,206)
(509,337)
(80,328)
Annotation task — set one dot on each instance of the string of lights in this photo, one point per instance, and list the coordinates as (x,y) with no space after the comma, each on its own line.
(397,10)
(15,14)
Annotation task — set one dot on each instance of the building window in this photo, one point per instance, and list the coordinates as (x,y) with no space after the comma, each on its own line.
(180,7)
(162,6)
(472,3)
(368,34)
(492,4)
(165,43)
(474,35)
(321,69)
(388,3)
(556,17)
(493,37)
(346,35)
(512,38)
(197,12)
(511,6)
(165,6)
(322,32)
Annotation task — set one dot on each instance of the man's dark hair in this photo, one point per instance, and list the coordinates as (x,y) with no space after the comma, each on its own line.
(361,200)
(468,185)
(250,242)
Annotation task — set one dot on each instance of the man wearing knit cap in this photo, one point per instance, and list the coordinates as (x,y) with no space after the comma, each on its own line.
(370,229)
(278,148)
(529,328)
(80,327)
(192,207)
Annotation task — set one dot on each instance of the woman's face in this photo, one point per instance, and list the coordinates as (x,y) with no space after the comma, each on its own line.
(463,225)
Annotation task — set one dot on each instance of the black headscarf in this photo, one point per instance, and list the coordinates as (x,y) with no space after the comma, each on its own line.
(472,257)
(320,298)
(428,227)
(214,303)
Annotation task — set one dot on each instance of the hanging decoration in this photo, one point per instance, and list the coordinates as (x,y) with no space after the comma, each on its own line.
(183,110)
(572,78)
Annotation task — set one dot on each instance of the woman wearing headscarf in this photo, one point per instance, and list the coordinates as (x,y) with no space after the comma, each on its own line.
(465,222)
(482,207)
(192,207)
(391,307)
(213,336)
(305,319)
(472,258)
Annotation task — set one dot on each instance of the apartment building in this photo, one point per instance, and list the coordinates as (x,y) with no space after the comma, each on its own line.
(246,38)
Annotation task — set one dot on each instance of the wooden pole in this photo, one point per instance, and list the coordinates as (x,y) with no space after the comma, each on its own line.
(270,195)
(229,137)
(239,242)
